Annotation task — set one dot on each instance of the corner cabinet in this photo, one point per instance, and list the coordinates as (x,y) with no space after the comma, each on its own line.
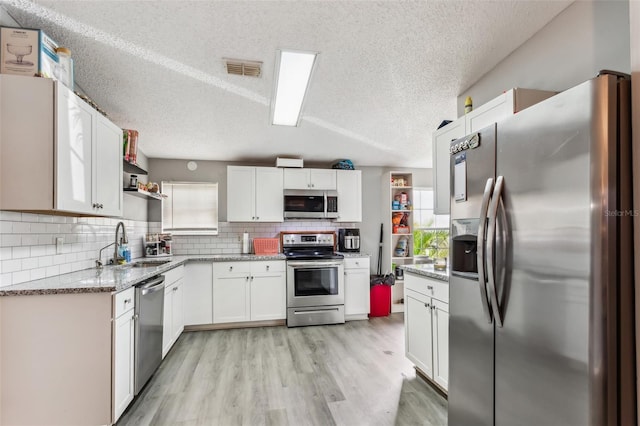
(254,194)
(508,103)
(75,150)
(427,327)
(198,293)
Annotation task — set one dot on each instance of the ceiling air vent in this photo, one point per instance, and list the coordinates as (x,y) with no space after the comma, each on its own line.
(241,67)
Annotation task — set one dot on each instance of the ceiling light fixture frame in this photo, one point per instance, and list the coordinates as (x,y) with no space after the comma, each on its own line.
(276,73)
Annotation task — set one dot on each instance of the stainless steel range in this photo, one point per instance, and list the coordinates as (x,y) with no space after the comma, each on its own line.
(315,279)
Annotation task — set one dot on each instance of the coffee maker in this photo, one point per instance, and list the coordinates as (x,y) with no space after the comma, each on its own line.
(349,240)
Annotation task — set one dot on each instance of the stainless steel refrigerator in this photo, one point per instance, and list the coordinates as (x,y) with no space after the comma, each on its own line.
(541,321)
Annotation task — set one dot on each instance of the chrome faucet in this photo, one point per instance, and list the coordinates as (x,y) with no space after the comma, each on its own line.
(99,261)
(118,243)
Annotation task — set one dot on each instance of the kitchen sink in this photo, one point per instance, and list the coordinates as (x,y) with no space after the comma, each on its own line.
(149,263)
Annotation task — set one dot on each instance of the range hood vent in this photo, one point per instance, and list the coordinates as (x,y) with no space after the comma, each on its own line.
(242,67)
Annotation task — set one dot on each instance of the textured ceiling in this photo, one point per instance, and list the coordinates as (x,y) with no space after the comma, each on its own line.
(388,73)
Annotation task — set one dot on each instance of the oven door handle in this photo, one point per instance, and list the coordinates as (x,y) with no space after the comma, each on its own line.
(313,263)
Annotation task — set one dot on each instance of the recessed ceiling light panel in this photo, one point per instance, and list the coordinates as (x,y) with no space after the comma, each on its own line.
(293,73)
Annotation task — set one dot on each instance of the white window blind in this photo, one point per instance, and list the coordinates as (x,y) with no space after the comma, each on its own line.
(191,208)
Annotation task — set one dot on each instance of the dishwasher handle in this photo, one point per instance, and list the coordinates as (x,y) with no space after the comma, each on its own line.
(151,285)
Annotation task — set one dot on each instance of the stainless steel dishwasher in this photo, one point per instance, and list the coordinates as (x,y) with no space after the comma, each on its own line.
(148,333)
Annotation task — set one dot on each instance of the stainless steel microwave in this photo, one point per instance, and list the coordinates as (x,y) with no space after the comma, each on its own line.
(310,204)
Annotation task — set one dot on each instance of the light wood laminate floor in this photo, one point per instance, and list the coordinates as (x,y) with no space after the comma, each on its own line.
(351,374)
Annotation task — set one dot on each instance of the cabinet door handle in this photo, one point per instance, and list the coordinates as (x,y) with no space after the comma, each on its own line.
(127,301)
(252,278)
(257,217)
(426,305)
(95,205)
(175,289)
(230,268)
(429,287)
(267,267)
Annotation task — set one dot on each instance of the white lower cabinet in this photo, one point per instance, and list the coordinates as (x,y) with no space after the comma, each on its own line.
(268,291)
(427,327)
(123,351)
(234,291)
(198,293)
(173,321)
(249,291)
(356,288)
(231,291)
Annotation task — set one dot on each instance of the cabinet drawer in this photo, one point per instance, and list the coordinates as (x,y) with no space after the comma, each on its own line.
(230,269)
(173,275)
(123,302)
(356,263)
(267,266)
(172,287)
(429,287)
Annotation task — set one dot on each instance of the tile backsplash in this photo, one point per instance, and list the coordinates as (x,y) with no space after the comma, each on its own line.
(229,238)
(28,244)
(28,248)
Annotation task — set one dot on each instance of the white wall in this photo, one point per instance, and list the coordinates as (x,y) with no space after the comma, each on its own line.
(582,40)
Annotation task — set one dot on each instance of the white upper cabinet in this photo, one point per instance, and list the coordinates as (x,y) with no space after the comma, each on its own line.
(508,103)
(254,194)
(75,122)
(310,179)
(441,140)
(108,170)
(241,188)
(349,184)
(76,151)
(269,194)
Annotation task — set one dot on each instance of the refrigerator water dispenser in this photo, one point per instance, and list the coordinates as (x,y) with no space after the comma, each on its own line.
(464,250)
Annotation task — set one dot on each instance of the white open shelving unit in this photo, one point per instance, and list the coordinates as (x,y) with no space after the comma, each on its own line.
(396,185)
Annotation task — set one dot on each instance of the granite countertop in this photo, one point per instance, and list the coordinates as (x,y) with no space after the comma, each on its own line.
(426,270)
(351,254)
(116,278)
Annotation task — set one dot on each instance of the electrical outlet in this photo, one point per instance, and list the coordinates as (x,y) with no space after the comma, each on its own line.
(59,244)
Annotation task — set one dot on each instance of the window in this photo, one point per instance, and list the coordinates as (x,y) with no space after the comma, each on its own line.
(430,231)
(191,208)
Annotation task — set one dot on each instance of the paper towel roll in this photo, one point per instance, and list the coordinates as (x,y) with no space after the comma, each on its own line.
(245,243)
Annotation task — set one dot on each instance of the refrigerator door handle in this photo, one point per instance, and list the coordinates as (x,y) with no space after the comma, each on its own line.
(491,239)
(482,280)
